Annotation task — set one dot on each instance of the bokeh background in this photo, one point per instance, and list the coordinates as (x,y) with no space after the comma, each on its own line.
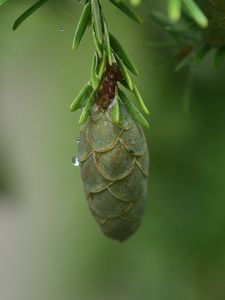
(50,246)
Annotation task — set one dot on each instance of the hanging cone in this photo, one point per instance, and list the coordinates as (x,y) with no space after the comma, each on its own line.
(114,162)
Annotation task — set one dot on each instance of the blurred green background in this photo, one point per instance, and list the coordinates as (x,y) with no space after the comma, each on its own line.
(50,246)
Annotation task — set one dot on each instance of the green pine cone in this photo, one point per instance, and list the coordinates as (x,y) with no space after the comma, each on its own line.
(214,34)
(114,164)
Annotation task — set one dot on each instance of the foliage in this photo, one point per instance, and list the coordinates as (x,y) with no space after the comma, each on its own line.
(193,42)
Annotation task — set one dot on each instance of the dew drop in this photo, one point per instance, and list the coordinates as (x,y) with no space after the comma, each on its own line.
(77,140)
(75,161)
(62,28)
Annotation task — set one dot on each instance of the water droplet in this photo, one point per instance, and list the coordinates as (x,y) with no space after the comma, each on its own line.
(75,161)
(77,140)
(62,28)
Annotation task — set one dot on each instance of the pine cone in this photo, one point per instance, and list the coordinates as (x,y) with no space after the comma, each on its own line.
(114,164)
